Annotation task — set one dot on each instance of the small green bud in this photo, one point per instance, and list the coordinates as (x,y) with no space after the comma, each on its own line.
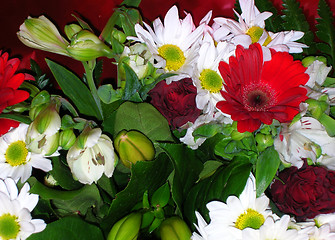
(307,61)
(34,111)
(133,146)
(72,29)
(127,228)
(66,139)
(119,35)
(86,46)
(174,228)
(263,141)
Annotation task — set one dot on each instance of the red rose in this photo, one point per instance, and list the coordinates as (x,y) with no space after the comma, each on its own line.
(305,192)
(176,101)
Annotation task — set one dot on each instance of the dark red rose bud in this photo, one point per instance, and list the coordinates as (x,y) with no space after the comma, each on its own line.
(305,192)
(176,101)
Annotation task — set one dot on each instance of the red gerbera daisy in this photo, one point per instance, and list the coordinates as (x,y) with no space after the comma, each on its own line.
(9,84)
(257,92)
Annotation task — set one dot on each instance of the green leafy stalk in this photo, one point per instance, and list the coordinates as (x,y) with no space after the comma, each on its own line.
(326,32)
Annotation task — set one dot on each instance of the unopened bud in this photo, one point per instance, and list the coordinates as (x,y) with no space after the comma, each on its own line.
(133,146)
(72,29)
(86,46)
(174,228)
(66,139)
(127,228)
(263,141)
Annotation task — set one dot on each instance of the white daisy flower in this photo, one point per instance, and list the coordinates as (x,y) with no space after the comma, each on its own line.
(274,229)
(320,233)
(306,138)
(201,228)
(250,28)
(229,219)
(174,44)
(15,218)
(207,78)
(16,160)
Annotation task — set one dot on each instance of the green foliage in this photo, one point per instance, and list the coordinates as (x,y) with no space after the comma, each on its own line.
(73,228)
(294,19)
(326,32)
(227,180)
(75,89)
(274,23)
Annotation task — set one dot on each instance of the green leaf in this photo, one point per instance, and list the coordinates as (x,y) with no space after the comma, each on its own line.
(16,117)
(145,176)
(226,181)
(266,167)
(207,130)
(294,19)
(209,169)
(326,32)
(108,94)
(68,201)
(75,89)
(63,175)
(131,3)
(187,168)
(140,116)
(133,84)
(161,196)
(72,228)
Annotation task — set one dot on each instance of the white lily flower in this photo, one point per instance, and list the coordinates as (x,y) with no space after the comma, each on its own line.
(91,155)
(174,44)
(306,138)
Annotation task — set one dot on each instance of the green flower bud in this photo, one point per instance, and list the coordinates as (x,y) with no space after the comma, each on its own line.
(34,111)
(263,141)
(133,146)
(317,108)
(127,228)
(307,61)
(174,228)
(86,46)
(48,121)
(66,139)
(41,33)
(119,35)
(72,29)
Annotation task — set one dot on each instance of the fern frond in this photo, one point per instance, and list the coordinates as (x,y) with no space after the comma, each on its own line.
(294,19)
(326,32)
(274,23)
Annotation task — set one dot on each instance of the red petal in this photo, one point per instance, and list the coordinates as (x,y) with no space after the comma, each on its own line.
(6,124)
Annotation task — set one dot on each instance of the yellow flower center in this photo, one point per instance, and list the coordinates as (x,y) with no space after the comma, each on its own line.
(255,34)
(9,226)
(251,219)
(173,56)
(16,153)
(211,80)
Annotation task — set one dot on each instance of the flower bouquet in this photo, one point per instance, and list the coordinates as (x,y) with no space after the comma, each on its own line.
(221,129)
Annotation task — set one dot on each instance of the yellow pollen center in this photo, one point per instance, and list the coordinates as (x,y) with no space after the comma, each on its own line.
(210,80)
(251,219)
(16,153)
(173,56)
(9,226)
(255,34)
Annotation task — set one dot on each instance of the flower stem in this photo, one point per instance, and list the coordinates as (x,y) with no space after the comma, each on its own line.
(89,67)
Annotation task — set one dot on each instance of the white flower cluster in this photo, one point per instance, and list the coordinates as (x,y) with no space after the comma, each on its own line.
(250,217)
(189,51)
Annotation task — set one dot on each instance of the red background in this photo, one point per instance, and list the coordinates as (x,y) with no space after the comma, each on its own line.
(97,12)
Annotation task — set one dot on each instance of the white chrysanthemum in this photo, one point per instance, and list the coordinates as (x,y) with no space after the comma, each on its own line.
(201,228)
(320,233)
(250,28)
(229,219)
(174,44)
(207,78)
(16,160)
(91,156)
(306,138)
(274,229)
(15,218)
